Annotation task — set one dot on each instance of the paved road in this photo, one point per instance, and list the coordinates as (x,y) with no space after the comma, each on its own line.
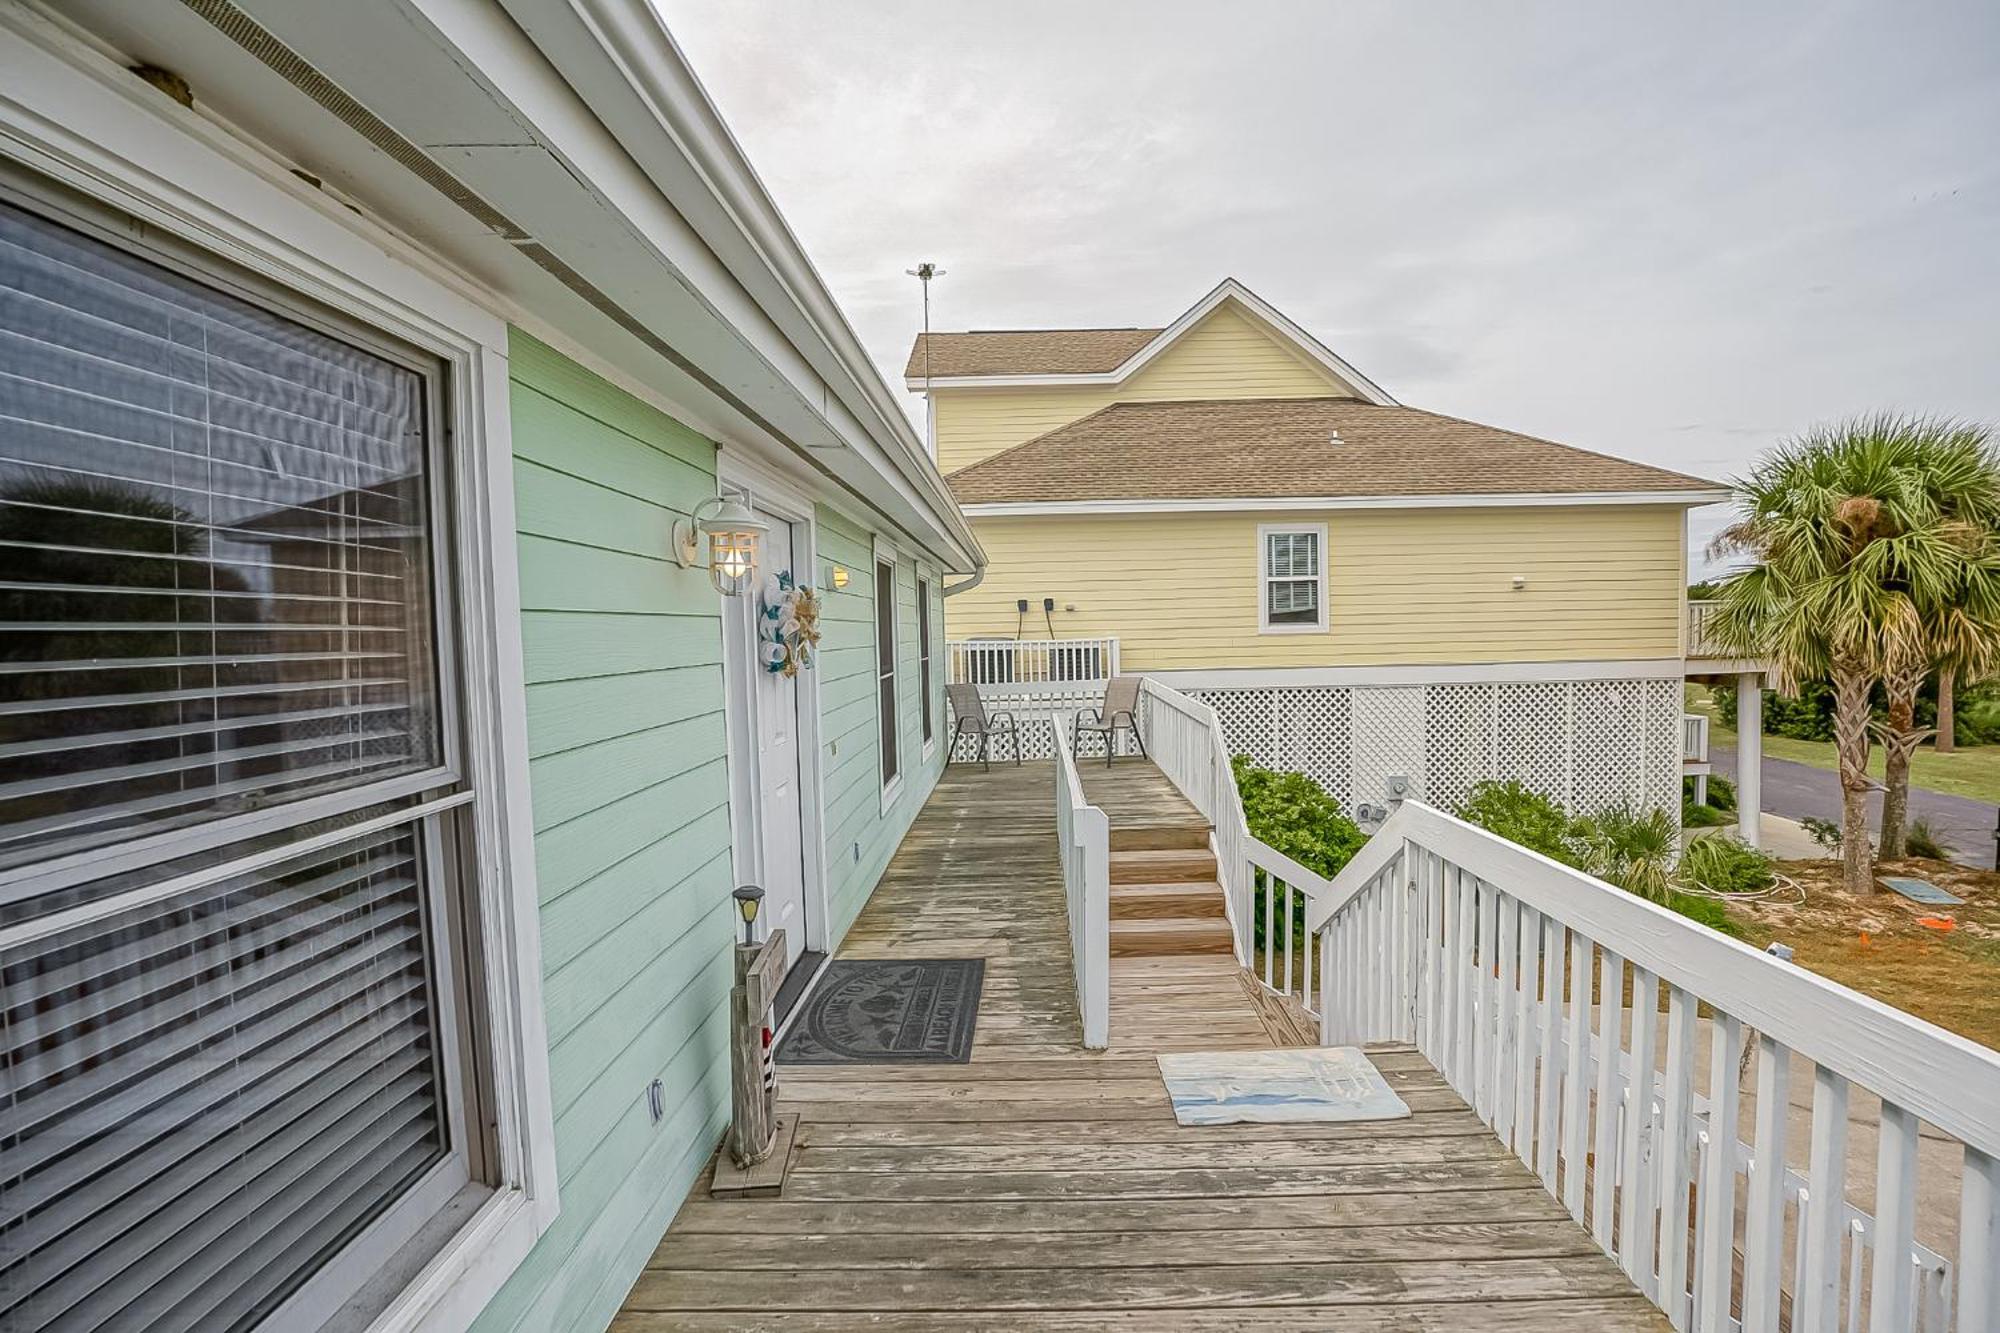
(1796,790)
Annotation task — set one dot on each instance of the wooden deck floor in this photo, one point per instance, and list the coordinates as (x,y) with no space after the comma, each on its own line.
(1043,1186)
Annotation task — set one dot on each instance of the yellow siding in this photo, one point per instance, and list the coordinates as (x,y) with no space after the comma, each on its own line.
(1226,355)
(1404,586)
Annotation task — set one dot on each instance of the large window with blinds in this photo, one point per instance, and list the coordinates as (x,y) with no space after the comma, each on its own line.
(231,1057)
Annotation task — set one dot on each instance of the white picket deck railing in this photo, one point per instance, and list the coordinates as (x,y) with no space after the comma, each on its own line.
(1484,954)
(1083,838)
(1021,665)
(1184,737)
(1694,738)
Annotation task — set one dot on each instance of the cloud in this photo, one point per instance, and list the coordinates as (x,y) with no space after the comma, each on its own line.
(1674,234)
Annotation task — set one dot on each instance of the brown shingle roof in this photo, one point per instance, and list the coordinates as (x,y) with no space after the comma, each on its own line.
(1027,351)
(1277,448)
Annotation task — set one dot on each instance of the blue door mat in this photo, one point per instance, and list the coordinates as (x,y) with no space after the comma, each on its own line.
(1323,1083)
(1921,891)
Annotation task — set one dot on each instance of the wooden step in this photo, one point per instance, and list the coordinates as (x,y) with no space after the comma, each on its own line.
(1189,900)
(1153,938)
(1158,837)
(1168,866)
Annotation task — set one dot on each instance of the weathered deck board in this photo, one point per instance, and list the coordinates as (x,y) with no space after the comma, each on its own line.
(1044,1186)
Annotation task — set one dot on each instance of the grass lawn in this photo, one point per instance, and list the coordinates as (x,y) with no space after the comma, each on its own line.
(1972,771)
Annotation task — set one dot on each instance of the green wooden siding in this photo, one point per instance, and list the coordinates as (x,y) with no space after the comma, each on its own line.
(860,835)
(628,769)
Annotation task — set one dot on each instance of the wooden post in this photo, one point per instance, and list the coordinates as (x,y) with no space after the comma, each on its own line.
(752,1156)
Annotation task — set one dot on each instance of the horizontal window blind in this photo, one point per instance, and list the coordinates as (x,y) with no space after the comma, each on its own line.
(215,552)
(203,1098)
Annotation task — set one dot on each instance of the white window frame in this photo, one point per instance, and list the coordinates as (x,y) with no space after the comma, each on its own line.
(927,633)
(83,122)
(885,553)
(1266,531)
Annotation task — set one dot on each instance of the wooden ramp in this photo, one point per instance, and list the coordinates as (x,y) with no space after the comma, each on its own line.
(1042,1186)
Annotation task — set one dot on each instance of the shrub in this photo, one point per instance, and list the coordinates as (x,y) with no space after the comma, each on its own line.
(1721,792)
(1920,839)
(1523,815)
(1724,865)
(1701,816)
(1709,912)
(1825,832)
(1634,849)
(1294,814)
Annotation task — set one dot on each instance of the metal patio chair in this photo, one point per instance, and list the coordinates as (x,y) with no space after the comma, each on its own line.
(1119,712)
(970,718)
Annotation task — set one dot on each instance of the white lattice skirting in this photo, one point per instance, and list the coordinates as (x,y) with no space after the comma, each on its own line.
(1588,744)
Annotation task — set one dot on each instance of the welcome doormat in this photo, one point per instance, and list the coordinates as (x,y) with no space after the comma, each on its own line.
(888,1011)
(1313,1083)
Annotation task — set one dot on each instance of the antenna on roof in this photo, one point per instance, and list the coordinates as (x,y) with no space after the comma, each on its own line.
(924,272)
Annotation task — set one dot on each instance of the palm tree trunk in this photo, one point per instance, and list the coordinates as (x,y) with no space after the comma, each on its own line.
(1850,740)
(1899,739)
(1947,736)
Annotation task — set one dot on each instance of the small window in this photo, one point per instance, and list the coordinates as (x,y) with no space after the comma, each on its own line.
(1293,579)
(885,665)
(929,705)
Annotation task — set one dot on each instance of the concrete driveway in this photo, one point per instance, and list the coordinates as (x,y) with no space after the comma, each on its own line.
(1798,791)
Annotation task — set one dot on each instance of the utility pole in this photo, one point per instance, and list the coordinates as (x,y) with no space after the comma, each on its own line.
(924,272)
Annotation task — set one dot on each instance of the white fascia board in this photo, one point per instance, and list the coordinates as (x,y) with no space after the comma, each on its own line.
(1445,673)
(1228,290)
(1548,499)
(720,229)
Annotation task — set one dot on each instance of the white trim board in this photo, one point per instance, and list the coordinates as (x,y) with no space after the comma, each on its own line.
(1228,290)
(1466,673)
(1268,504)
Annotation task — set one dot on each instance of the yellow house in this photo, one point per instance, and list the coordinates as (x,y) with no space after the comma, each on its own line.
(1364,591)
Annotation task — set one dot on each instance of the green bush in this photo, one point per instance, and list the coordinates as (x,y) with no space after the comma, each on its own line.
(1920,839)
(1521,814)
(1632,848)
(1724,865)
(1825,832)
(1291,813)
(1704,911)
(1721,792)
(1701,816)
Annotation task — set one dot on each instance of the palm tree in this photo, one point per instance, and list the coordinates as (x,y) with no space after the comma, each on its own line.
(1849,541)
(1959,614)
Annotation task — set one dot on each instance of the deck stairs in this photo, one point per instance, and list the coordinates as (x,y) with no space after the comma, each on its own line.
(1166,900)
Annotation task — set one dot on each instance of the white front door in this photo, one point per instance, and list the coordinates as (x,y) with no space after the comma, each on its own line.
(780,816)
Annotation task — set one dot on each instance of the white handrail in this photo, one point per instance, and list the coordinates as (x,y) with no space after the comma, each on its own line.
(1694,738)
(1184,738)
(1027,665)
(1083,837)
(1487,955)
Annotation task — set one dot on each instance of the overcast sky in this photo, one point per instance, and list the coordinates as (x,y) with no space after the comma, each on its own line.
(1674,233)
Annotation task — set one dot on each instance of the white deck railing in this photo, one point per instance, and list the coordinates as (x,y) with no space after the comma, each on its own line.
(1184,737)
(1021,664)
(1083,838)
(1492,960)
(1694,738)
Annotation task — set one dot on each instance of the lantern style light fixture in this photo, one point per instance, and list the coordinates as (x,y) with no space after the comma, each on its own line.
(748,899)
(733,534)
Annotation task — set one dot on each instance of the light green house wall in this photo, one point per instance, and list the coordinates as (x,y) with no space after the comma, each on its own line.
(628,766)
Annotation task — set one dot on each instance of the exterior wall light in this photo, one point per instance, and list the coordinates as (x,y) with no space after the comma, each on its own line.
(733,534)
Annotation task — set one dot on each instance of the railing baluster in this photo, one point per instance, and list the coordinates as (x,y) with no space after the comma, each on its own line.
(1674,1149)
(1526,1009)
(1485,997)
(1507,1017)
(1432,967)
(1635,1203)
(1453,1035)
(1890,1295)
(1716,1229)
(1978,1267)
(1764,1213)
(1610,1037)
(1818,1297)
(1549,1115)
(1576,1077)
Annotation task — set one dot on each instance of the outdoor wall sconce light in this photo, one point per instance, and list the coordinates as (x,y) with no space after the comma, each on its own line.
(1520,582)
(840,576)
(733,533)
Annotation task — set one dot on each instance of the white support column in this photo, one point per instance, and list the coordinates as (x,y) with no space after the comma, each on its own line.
(1749,755)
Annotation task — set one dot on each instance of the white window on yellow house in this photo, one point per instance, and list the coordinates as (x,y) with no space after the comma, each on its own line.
(1292,579)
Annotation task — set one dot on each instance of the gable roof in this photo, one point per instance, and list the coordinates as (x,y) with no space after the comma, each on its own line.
(1025,351)
(1107,356)
(1286,448)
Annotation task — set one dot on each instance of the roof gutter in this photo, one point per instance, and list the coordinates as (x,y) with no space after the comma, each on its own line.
(966,585)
